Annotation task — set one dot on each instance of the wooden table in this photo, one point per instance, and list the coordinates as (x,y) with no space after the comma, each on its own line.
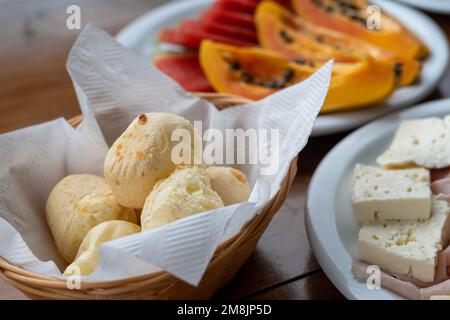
(35,87)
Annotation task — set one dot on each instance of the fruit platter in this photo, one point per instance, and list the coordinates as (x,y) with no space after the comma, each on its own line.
(145,37)
(253,48)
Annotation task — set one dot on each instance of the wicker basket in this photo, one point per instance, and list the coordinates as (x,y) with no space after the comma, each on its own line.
(226,262)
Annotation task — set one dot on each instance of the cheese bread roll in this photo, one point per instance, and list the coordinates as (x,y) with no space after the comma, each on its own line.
(231,184)
(186,192)
(76,205)
(87,259)
(142,155)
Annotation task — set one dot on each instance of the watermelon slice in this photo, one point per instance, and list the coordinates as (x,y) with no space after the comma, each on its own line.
(238,19)
(243,6)
(251,2)
(247,6)
(192,38)
(221,29)
(226,21)
(185,69)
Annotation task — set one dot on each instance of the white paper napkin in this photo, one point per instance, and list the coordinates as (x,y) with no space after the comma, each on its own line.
(113,86)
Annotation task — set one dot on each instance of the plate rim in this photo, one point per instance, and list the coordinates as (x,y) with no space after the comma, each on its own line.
(343,121)
(328,261)
(429,5)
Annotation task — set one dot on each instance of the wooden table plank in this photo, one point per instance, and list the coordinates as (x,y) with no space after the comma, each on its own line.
(282,253)
(314,287)
(35,87)
(35,43)
(42,78)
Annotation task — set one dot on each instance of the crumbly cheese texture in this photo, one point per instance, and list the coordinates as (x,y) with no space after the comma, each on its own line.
(186,192)
(408,247)
(420,142)
(390,194)
(231,184)
(77,204)
(87,259)
(142,155)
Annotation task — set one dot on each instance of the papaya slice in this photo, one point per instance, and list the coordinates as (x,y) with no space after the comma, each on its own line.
(350,17)
(278,29)
(360,84)
(185,69)
(251,72)
(255,73)
(296,39)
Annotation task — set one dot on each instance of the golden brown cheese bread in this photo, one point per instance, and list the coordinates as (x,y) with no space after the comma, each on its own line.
(87,259)
(141,156)
(186,192)
(231,184)
(76,205)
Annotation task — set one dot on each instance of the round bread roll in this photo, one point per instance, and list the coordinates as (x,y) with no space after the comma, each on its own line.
(141,156)
(76,205)
(186,192)
(87,259)
(231,184)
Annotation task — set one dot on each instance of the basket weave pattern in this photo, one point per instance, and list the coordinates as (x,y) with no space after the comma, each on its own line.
(226,262)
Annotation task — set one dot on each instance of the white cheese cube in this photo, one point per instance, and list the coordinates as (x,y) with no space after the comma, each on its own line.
(408,247)
(379,194)
(440,297)
(420,142)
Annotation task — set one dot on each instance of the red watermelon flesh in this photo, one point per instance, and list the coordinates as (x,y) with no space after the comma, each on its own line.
(247,6)
(249,2)
(193,37)
(234,12)
(226,21)
(185,69)
(221,29)
(237,19)
(244,6)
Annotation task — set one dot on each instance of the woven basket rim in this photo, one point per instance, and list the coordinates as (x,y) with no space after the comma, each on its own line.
(39,277)
(20,277)
(107,283)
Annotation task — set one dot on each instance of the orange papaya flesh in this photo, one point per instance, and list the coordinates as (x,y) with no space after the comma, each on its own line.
(296,39)
(279,30)
(350,17)
(255,73)
(359,85)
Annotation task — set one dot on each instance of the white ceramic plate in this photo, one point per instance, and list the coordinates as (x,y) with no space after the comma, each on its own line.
(141,36)
(332,229)
(437,6)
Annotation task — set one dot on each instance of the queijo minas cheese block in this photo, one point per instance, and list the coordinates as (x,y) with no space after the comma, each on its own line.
(407,247)
(379,194)
(420,142)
